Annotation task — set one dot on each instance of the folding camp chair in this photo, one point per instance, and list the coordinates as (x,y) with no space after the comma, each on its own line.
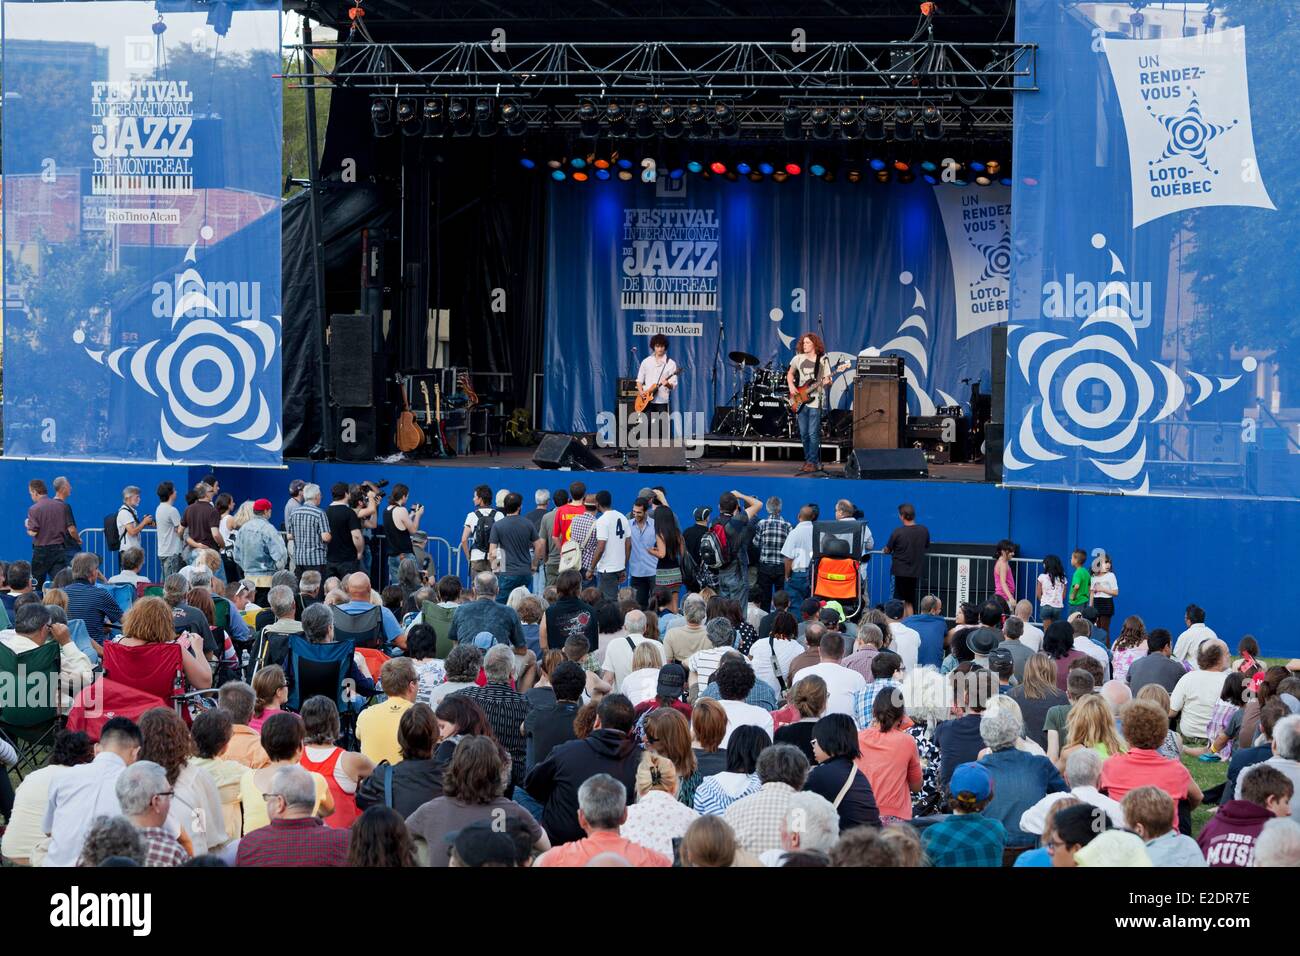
(322,669)
(151,668)
(147,589)
(123,594)
(105,699)
(30,712)
(365,629)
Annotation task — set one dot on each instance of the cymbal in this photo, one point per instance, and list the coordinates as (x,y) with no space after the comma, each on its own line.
(743,358)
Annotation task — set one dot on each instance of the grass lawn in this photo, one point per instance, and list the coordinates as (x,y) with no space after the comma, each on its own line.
(1207,775)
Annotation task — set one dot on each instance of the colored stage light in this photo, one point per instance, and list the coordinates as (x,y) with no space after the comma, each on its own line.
(577,162)
(850,123)
(817,169)
(558,175)
(982,181)
(527,163)
(579,177)
(794,169)
(644,119)
(1030,181)
(755,177)
(589,119)
(766,169)
(381,117)
(670,122)
(932,122)
(780,176)
(1005,180)
(626,175)
(697,121)
(617,120)
(485,118)
(695,166)
(904,120)
(624,163)
(792,122)
(718,167)
(854,175)
(902,165)
(878,164)
(602,174)
(744,168)
(555,163)
(882,176)
(676,173)
(513,118)
(873,123)
(994,167)
(408,116)
(928,166)
(601,163)
(435,116)
(461,120)
(724,117)
(821,122)
(976,167)
(929,179)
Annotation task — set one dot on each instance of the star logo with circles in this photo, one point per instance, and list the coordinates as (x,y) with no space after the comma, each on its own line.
(1189,135)
(997,259)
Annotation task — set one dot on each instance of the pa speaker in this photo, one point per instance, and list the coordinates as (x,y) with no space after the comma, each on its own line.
(565,451)
(886,463)
(351,361)
(999,373)
(993,452)
(661,458)
(355,440)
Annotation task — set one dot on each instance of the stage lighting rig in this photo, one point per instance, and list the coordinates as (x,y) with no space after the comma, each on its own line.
(513,118)
(904,120)
(850,123)
(462,123)
(616,119)
(589,119)
(408,116)
(873,123)
(697,121)
(381,116)
(644,120)
(670,123)
(932,123)
(792,122)
(724,117)
(485,116)
(821,122)
(434,112)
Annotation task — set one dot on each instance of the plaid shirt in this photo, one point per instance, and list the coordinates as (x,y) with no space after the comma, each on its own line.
(865,698)
(305,841)
(161,848)
(970,839)
(306,525)
(578,531)
(757,819)
(770,535)
(505,710)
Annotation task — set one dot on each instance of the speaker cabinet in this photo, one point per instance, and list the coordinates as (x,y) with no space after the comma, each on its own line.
(565,451)
(663,458)
(999,373)
(356,436)
(993,452)
(886,463)
(351,361)
(879,409)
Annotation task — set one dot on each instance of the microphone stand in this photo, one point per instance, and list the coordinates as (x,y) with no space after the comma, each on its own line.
(717,358)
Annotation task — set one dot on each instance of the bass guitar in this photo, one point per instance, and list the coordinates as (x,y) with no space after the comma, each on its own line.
(646,397)
(409,435)
(431,424)
(804,393)
(448,449)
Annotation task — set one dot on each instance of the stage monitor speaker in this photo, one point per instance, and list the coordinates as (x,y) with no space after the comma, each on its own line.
(351,361)
(999,366)
(356,437)
(879,410)
(993,452)
(886,463)
(661,458)
(565,451)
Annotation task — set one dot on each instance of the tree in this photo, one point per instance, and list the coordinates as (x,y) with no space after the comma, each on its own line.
(295,117)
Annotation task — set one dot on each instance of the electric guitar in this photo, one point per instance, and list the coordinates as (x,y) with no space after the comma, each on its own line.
(430,425)
(409,436)
(646,397)
(804,393)
(448,449)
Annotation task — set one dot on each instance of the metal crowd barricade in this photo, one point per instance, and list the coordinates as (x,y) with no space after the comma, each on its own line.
(955,578)
(92,540)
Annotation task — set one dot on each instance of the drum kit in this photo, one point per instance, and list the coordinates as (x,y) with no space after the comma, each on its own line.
(760,406)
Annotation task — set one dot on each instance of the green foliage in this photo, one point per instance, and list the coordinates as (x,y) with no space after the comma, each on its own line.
(295,117)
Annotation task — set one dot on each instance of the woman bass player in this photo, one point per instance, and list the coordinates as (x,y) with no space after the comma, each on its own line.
(808,378)
(656,377)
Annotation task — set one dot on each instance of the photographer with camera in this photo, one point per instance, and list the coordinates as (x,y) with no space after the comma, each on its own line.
(346,544)
(399,522)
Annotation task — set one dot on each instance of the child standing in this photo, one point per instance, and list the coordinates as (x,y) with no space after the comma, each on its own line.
(1051,586)
(1081,583)
(1104,589)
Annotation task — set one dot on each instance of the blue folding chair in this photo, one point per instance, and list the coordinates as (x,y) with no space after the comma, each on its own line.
(123,594)
(321,669)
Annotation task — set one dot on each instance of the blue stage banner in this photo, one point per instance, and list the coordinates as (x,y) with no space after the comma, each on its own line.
(721,266)
(1153,347)
(142,187)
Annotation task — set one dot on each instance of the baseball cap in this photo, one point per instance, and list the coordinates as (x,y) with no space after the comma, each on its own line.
(296,486)
(261,504)
(672,680)
(971,778)
(835,606)
(1000,658)
(895,609)
(480,844)
(702,513)
(484,640)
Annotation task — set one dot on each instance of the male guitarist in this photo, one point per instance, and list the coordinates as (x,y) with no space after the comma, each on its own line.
(657,369)
(810,369)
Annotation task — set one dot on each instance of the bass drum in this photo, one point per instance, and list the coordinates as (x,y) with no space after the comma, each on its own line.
(769,412)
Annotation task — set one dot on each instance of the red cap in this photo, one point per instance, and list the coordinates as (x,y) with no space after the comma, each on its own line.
(261,504)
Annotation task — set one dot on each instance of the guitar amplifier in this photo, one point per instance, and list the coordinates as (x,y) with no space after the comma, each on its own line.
(891,365)
(627,388)
(943,438)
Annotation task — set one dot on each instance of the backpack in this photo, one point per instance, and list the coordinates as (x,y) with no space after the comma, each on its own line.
(716,551)
(113,540)
(483,530)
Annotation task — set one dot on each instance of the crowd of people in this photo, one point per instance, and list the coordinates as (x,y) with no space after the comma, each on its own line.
(615,689)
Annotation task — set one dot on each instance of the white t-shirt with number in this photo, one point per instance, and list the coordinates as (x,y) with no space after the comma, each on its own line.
(612,528)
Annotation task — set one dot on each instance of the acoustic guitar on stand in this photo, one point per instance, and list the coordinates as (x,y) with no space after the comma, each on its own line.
(645,398)
(409,435)
(804,393)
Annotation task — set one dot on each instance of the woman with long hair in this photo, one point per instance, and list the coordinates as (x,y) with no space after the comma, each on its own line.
(1128,647)
(272,690)
(667,732)
(1091,724)
(380,838)
(642,683)
(1036,694)
(167,742)
(458,718)
(416,779)
(1050,587)
(808,697)
(740,779)
(889,758)
(219,646)
(1004,579)
(668,549)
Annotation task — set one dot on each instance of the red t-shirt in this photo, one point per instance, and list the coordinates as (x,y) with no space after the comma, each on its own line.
(564,516)
(890,763)
(1144,768)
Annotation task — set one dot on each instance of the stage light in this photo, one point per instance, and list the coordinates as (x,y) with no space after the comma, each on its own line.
(854,175)
(408,116)
(724,117)
(485,118)
(461,121)
(829,177)
(527,163)
(555,163)
(644,120)
(766,169)
(982,181)
(626,175)
(976,167)
(676,173)
(670,122)
(873,123)
(907,177)
(755,177)
(578,162)
(878,164)
(902,165)
(821,123)
(794,169)
(993,166)
(792,122)
(435,116)
(381,117)
(1005,180)
(695,166)
(932,122)
(882,176)
(780,176)
(850,124)
(513,118)
(624,163)
(603,163)
(904,118)
(697,121)
(602,174)
(928,166)
(744,168)
(930,179)
(558,175)
(718,167)
(817,169)
(589,119)
(616,119)
(579,177)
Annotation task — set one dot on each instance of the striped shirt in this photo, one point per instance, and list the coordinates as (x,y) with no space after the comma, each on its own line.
(306,525)
(95,606)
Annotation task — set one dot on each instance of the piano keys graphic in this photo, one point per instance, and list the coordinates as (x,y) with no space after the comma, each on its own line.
(681,301)
(177,184)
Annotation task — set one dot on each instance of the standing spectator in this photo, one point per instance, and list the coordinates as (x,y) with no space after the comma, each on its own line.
(201,522)
(1004,578)
(933,628)
(295,501)
(967,837)
(613,546)
(346,543)
(377,724)
(72,543)
(1080,595)
(399,524)
(168,521)
(520,546)
(757,819)
(476,535)
(770,535)
(888,756)
(259,548)
(129,523)
(658,817)
(601,812)
(545,528)
(904,640)
(146,799)
(565,512)
(1050,586)
(309,529)
(681,643)
(506,709)
(796,556)
(49,522)
(1105,588)
(669,547)
(295,836)
(1149,812)
(907,547)
(1228,838)
(772,655)
(837,777)
(83,793)
(733,529)
(841,683)
(642,560)
(1198,691)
